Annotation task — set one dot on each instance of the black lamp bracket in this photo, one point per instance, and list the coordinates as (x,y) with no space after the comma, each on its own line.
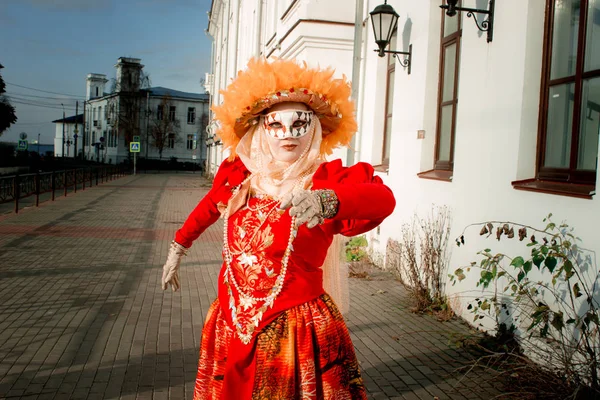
(405,62)
(484,26)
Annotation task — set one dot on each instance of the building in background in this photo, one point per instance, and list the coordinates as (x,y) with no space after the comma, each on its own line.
(67,141)
(168,123)
(504,130)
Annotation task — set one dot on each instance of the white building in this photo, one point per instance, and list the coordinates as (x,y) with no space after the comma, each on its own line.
(67,139)
(163,119)
(515,138)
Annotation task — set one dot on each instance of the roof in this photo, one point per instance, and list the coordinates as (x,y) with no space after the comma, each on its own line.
(160,91)
(75,119)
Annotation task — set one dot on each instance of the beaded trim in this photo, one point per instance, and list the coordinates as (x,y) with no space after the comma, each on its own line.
(329,202)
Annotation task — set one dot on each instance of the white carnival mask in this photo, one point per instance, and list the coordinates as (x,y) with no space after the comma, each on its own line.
(288,123)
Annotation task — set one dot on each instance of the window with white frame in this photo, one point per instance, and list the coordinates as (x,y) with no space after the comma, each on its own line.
(159,112)
(171,141)
(172,113)
(190,142)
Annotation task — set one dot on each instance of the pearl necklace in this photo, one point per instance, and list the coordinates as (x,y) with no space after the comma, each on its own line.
(273,292)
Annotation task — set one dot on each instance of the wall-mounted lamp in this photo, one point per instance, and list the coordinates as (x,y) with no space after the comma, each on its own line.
(485,26)
(385,19)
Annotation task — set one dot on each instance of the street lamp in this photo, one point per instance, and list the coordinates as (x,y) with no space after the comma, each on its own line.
(68,143)
(38,144)
(63,126)
(485,26)
(385,19)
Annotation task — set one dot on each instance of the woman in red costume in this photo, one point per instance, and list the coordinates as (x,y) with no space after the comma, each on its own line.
(273,332)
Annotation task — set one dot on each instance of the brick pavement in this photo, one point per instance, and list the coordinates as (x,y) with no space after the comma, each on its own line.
(82,315)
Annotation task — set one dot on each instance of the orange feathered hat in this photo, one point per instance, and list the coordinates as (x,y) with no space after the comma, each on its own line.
(263,84)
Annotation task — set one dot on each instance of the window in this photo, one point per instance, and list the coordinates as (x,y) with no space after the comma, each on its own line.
(570,98)
(172,113)
(159,112)
(389,101)
(96,91)
(93,137)
(447,92)
(112,138)
(190,142)
(171,141)
(191,115)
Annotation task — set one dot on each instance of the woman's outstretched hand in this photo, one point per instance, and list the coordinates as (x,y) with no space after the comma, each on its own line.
(171,268)
(305,206)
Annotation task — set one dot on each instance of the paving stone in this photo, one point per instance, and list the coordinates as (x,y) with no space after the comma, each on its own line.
(82,314)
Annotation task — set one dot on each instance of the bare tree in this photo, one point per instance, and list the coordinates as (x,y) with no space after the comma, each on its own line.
(7,111)
(127,105)
(164,126)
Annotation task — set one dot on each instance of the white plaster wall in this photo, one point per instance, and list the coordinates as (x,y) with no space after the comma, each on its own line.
(121,151)
(324,44)
(58,139)
(496,135)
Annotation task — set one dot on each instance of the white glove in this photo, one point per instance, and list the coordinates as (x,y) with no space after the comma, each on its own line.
(305,206)
(171,268)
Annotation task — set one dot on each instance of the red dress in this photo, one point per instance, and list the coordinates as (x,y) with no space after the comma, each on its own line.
(273,333)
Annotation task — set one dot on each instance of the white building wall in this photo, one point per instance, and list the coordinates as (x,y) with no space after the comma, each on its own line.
(496,135)
(70,129)
(111,152)
(272,28)
(497,114)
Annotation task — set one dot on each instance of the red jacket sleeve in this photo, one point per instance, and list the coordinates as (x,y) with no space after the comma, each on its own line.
(206,213)
(364,201)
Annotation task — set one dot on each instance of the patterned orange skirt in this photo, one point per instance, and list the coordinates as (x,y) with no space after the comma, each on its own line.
(305,353)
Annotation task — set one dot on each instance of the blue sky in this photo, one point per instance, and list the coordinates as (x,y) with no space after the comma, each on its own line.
(52,45)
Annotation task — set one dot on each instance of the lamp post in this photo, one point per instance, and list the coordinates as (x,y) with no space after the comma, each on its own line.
(485,26)
(63,129)
(76,131)
(385,20)
(68,143)
(38,144)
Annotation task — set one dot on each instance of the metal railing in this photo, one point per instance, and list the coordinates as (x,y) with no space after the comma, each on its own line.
(17,187)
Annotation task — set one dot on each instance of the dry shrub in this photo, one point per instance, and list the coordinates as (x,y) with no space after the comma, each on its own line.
(420,258)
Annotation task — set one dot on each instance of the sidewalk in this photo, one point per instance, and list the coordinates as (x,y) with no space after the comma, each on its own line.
(82,315)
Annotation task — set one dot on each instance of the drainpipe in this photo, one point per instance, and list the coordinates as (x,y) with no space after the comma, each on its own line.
(237,36)
(259,29)
(356,60)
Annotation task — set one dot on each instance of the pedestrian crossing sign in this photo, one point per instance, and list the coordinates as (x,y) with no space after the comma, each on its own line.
(22,145)
(134,147)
